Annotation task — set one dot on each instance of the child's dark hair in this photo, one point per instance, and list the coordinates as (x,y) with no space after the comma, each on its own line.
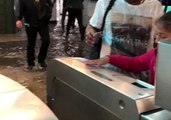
(165,21)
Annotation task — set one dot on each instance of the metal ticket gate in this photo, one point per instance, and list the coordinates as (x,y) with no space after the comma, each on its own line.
(80,92)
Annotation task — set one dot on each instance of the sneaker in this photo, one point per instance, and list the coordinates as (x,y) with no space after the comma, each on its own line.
(42,66)
(30,68)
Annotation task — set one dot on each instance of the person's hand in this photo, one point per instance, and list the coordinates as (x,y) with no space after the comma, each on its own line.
(98,62)
(19,24)
(90,35)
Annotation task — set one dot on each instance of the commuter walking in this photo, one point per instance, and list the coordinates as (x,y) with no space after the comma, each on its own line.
(75,8)
(64,13)
(37,14)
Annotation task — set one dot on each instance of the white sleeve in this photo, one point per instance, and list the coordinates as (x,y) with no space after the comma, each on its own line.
(159,10)
(97,18)
(158,13)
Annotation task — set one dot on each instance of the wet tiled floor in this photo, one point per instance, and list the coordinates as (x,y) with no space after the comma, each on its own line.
(13,56)
(13,46)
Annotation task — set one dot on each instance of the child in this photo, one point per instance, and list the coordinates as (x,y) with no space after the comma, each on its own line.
(143,62)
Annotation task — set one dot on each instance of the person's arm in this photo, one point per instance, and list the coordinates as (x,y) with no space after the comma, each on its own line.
(158,11)
(51,2)
(54,1)
(95,23)
(19,13)
(90,33)
(132,64)
(18,9)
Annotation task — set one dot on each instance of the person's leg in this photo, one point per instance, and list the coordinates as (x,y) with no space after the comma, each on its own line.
(31,36)
(71,17)
(73,24)
(63,19)
(45,41)
(80,23)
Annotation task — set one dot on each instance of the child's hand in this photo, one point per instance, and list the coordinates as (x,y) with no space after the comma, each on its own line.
(97,62)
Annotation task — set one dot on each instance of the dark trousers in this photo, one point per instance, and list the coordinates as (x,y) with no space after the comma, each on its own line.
(64,11)
(73,14)
(32,36)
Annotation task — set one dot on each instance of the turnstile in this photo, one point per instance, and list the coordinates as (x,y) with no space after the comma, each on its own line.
(80,92)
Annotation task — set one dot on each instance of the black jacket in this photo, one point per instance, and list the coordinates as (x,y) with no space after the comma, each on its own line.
(74,4)
(34,13)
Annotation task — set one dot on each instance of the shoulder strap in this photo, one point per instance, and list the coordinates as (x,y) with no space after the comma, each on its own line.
(111,3)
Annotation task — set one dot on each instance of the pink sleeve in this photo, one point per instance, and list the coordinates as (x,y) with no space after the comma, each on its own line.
(132,64)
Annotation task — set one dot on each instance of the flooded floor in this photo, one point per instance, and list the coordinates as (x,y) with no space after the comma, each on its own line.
(12,52)
(13,56)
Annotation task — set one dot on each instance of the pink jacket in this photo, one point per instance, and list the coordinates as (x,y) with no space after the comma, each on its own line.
(137,64)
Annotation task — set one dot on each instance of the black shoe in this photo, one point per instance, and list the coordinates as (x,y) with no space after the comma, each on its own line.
(43,64)
(66,37)
(62,32)
(82,38)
